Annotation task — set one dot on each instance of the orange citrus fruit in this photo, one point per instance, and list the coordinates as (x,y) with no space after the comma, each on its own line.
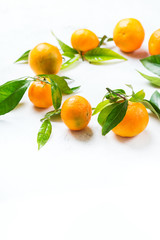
(39,94)
(45,59)
(76,112)
(128,34)
(154,43)
(134,122)
(84,40)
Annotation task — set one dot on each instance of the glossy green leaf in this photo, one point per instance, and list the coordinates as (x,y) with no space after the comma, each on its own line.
(65,47)
(154,80)
(70,61)
(115,117)
(100,106)
(56,94)
(50,114)
(155,100)
(11,93)
(152,63)
(105,112)
(44,133)
(24,57)
(102,54)
(137,97)
(151,107)
(68,54)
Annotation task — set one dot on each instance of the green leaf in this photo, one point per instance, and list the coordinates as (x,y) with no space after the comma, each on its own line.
(151,107)
(11,93)
(130,86)
(44,133)
(101,55)
(65,47)
(137,97)
(154,80)
(50,114)
(109,39)
(152,63)
(56,94)
(155,100)
(105,112)
(115,117)
(70,61)
(100,106)
(74,89)
(68,54)
(24,57)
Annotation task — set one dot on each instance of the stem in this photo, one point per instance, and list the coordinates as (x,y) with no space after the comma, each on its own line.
(102,40)
(81,55)
(119,95)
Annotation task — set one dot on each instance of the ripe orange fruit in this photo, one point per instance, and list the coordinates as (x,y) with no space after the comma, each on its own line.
(39,94)
(134,122)
(128,34)
(76,112)
(45,59)
(154,43)
(84,40)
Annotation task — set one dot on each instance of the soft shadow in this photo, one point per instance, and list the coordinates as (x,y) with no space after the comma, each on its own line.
(82,135)
(37,109)
(140,141)
(140,53)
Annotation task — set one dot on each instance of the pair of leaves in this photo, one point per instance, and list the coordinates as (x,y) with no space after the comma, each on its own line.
(111,114)
(59,86)
(152,63)
(69,52)
(11,93)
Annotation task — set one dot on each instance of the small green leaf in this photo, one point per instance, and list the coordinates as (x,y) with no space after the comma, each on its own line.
(154,80)
(65,47)
(50,114)
(74,89)
(155,100)
(100,106)
(24,57)
(102,54)
(105,112)
(152,63)
(56,94)
(151,107)
(115,117)
(109,39)
(130,86)
(44,133)
(70,61)
(137,97)
(11,93)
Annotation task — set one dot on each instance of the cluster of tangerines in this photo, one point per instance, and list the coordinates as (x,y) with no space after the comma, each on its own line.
(76,111)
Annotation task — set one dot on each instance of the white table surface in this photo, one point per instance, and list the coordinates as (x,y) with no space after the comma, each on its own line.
(81,185)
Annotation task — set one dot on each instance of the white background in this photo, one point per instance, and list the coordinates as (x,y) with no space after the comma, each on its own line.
(81,185)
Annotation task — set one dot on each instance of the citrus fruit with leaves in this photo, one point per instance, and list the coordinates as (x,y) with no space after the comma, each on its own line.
(84,40)
(128,34)
(45,59)
(76,112)
(154,43)
(39,94)
(134,122)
